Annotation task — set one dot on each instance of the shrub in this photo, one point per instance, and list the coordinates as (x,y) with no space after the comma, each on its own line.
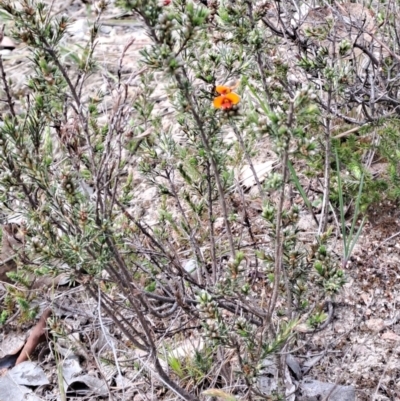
(205,257)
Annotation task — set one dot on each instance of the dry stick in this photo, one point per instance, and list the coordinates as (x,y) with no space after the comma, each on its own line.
(6,88)
(340,115)
(247,224)
(229,307)
(9,259)
(114,316)
(129,289)
(124,50)
(327,170)
(37,336)
(153,354)
(147,332)
(211,227)
(388,239)
(350,131)
(365,123)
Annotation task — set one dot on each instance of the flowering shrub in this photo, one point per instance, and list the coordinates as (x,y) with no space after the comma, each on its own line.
(228,264)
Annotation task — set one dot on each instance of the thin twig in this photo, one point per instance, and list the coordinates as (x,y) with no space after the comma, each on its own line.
(6,88)
(278,230)
(327,170)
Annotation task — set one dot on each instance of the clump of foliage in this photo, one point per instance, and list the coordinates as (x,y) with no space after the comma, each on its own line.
(246,279)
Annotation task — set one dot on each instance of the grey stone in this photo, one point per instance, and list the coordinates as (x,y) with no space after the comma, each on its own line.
(267,381)
(314,390)
(11,391)
(294,366)
(29,374)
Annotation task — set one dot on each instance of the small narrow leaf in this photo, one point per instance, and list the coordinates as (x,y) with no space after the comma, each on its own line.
(219,393)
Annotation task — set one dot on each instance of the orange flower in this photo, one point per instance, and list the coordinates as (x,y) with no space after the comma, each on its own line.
(224,90)
(227,98)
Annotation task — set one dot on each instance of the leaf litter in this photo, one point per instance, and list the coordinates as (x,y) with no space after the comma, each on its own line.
(359,348)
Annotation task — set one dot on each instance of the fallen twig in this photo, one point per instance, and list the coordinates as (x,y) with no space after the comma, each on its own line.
(37,336)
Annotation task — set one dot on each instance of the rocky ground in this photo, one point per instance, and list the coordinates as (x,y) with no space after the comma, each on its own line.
(360,347)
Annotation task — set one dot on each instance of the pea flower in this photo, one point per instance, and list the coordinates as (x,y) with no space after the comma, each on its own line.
(227,98)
